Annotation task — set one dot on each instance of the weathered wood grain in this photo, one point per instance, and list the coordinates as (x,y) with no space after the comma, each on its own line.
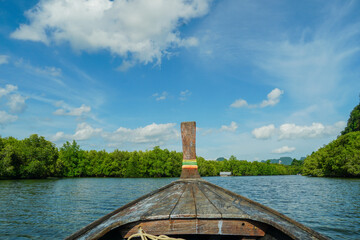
(200,226)
(162,207)
(204,207)
(224,207)
(188,135)
(186,207)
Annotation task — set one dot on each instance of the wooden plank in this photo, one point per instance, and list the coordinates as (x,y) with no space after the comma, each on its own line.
(226,208)
(253,211)
(199,226)
(185,208)
(204,207)
(163,207)
(134,212)
(246,207)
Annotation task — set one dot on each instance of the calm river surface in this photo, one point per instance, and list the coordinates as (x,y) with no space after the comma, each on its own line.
(53,209)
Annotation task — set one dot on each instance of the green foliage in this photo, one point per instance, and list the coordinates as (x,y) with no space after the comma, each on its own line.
(243,168)
(353,123)
(72,160)
(35,157)
(297,166)
(296,162)
(39,157)
(340,158)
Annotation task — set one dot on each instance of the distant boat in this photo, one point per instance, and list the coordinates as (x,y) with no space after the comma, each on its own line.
(193,208)
(225,174)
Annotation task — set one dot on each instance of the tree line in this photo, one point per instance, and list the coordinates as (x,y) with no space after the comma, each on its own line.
(36,157)
(340,158)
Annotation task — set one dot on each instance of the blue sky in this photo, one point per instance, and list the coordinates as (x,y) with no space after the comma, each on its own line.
(262,79)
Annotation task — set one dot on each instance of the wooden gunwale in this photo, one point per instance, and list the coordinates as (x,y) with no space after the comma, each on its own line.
(201,226)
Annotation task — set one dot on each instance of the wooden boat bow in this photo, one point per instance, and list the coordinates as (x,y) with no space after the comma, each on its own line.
(193,208)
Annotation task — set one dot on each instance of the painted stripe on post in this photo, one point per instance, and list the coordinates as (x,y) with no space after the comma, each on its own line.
(189,162)
(190,166)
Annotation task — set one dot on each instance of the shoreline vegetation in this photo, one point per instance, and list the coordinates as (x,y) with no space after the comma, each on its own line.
(36,157)
(341,157)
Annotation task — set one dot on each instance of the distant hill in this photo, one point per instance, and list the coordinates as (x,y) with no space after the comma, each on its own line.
(282,160)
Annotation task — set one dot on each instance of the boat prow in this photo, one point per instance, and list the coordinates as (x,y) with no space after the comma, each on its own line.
(193,208)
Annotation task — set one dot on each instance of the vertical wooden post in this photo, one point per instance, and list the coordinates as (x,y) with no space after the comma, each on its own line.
(189,164)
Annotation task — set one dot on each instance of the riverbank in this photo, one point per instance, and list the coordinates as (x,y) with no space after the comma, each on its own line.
(35,157)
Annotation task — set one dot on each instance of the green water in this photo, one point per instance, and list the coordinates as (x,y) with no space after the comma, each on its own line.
(53,209)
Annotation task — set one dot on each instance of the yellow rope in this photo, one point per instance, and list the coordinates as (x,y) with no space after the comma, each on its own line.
(146,236)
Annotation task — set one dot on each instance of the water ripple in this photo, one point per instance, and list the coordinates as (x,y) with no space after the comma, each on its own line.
(53,209)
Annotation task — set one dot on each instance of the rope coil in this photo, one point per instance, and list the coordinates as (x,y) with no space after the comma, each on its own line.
(145,236)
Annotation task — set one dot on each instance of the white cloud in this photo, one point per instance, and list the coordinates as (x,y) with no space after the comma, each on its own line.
(184,95)
(60,136)
(83,132)
(273,98)
(153,133)
(161,96)
(79,111)
(8,89)
(293,131)
(16,103)
(231,128)
(68,111)
(239,103)
(284,149)
(139,30)
(315,130)
(51,71)
(204,132)
(4,59)
(6,118)
(264,132)
(125,65)
(60,103)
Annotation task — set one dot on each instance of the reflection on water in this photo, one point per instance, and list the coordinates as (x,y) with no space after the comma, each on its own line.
(53,209)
